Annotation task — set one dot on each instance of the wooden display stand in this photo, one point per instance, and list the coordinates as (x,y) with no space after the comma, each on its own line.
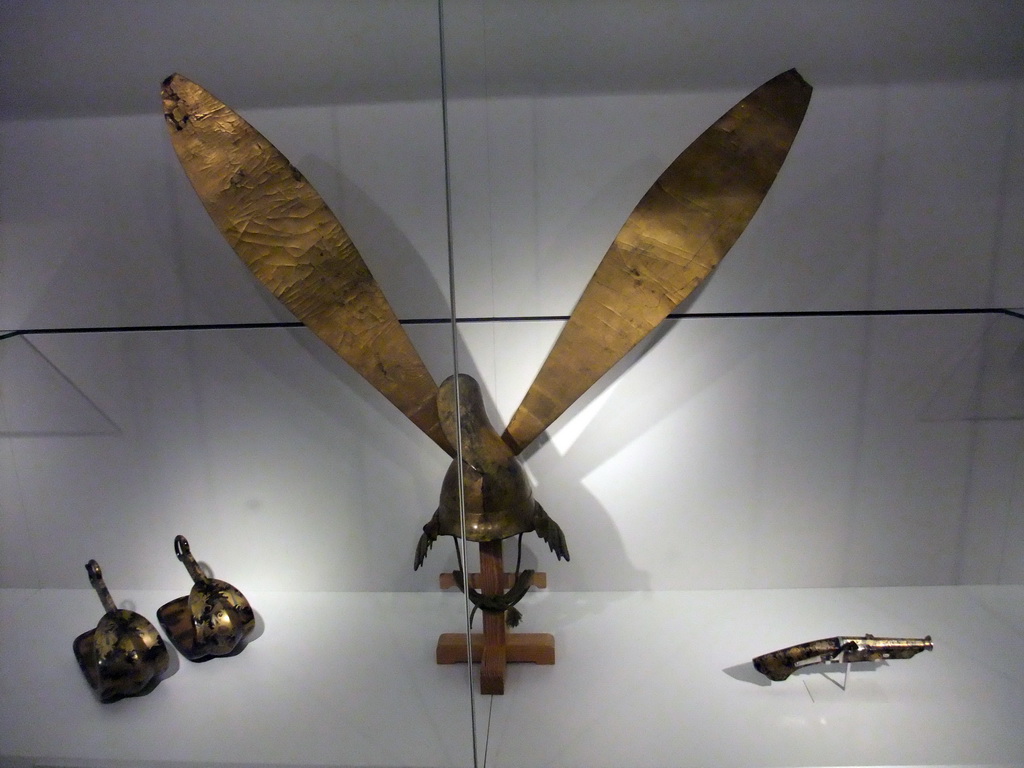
(496,647)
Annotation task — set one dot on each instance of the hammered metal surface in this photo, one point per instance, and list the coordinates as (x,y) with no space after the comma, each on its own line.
(214,619)
(498,497)
(124,655)
(497,494)
(285,233)
(674,238)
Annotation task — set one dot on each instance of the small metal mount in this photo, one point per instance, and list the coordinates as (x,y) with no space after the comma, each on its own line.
(184,553)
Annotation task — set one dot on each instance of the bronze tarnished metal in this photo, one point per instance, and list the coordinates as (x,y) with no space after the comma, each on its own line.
(497,495)
(674,238)
(124,655)
(213,619)
(779,665)
(285,233)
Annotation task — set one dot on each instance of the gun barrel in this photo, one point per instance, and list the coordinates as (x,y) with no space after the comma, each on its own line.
(871,648)
(780,664)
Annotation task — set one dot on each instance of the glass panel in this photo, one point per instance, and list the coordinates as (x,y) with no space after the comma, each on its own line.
(809,422)
(825,438)
(987,382)
(155,388)
(37,398)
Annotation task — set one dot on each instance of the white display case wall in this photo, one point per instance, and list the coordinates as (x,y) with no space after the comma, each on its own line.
(826,438)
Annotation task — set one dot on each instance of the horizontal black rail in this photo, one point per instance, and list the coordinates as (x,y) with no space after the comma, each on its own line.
(1016,313)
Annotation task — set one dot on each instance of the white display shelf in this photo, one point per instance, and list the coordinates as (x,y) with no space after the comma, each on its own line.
(641,679)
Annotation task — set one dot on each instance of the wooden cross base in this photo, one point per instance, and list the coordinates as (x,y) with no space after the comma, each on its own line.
(495,647)
(523,647)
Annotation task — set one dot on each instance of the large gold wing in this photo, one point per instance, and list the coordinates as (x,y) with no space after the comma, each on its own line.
(285,233)
(673,239)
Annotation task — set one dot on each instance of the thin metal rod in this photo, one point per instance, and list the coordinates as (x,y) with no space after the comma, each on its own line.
(461,543)
(487,737)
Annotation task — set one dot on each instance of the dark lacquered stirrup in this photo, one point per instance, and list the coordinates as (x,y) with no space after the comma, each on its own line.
(124,655)
(213,619)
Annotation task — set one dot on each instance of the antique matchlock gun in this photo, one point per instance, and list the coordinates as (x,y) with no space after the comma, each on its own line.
(778,665)
(677,234)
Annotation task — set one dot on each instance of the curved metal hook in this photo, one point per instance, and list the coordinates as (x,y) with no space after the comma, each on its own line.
(184,553)
(503,603)
(181,547)
(96,579)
